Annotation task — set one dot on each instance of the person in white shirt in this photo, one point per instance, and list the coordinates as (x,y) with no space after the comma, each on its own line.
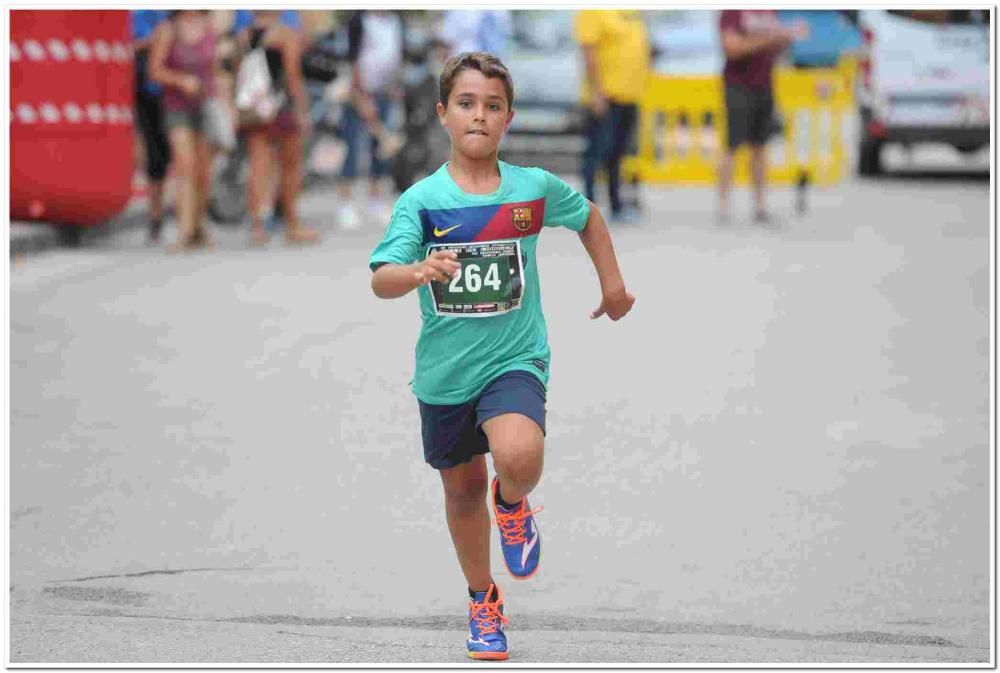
(467,30)
(375,50)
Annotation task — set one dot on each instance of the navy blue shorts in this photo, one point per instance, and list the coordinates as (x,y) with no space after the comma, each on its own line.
(453,432)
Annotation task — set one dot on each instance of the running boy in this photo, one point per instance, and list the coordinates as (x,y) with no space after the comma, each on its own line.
(466,236)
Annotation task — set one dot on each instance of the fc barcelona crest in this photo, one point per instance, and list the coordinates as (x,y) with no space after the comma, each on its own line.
(522,218)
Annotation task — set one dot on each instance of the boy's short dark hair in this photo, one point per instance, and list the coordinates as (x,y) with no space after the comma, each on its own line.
(488,64)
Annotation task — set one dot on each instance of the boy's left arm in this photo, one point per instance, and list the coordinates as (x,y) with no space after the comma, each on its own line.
(616,301)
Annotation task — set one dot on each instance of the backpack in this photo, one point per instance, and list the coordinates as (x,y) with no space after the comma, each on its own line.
(256,100)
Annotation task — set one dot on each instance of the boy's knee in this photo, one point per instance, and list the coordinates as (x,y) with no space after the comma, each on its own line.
(520,462)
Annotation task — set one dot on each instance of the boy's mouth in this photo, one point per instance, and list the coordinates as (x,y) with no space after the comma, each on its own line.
(477,132)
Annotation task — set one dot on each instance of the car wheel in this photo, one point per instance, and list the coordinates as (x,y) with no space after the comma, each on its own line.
(870,157)
(70,236)
(228,201)
(969,149)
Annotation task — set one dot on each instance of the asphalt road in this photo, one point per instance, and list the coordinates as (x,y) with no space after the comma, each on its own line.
(782,455)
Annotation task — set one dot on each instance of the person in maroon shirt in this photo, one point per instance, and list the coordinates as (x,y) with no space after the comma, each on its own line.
(183,61)
(752,40)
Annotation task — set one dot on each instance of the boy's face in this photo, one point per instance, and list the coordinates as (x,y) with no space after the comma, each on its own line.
(477,115)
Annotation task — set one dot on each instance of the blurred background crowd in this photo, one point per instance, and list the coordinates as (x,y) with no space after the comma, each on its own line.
(346,98)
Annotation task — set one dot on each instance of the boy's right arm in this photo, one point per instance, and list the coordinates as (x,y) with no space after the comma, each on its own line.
(394,280)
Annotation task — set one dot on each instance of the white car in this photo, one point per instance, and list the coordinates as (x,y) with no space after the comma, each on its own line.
(924,77)
(547,68)
(685,42)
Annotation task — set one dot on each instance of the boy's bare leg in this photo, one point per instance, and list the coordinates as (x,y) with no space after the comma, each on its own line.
(465,489)
(518,448)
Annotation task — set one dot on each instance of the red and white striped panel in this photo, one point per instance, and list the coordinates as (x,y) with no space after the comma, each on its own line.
(71,120)
(62,73)
(72,113)
(76,49)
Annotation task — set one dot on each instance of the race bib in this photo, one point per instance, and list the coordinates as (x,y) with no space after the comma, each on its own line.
(491,281)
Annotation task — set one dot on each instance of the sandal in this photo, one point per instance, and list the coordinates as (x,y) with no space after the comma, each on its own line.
(301,234)
(258,236)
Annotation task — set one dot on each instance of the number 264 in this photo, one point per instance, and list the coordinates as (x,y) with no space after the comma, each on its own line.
(474,281)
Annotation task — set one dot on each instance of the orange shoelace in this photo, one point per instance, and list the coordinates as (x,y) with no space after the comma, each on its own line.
(511,524)
(487,615)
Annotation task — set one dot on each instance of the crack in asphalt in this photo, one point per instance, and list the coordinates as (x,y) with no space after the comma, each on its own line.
(648,626)
(147,573)
(557,623)
(114,595)
(374,643)
(539,622)
(22,512)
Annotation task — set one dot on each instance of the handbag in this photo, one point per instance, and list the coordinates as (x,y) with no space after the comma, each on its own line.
(256,100)
(319,63)
(218,125)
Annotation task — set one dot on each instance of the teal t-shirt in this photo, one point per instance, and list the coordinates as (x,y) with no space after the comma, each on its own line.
(489,320)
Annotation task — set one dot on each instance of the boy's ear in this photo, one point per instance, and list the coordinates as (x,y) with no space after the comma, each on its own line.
(510,118)
(441,110)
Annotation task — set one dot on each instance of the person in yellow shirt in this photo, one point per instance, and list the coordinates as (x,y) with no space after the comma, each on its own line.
(616,51)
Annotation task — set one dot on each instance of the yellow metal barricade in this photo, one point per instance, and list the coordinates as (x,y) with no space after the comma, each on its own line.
(682,129)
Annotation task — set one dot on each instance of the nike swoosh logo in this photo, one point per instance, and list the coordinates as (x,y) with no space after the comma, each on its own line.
(439,232)
(530,545)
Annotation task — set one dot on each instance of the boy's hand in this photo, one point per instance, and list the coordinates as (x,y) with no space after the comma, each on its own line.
(615,303)
(440,265)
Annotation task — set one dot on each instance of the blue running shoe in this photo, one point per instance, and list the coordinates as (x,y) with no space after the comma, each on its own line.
(486,620)
(519,538)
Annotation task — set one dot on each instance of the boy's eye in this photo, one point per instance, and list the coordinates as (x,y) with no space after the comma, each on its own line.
(465,103)
(494,107)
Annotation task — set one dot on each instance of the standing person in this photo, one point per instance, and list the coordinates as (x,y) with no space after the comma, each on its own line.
(487,30)
(752,40)
(183,61)
(282,51)
(149,115)
(242,20)
(465,239)
(616,52)
(375,50)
